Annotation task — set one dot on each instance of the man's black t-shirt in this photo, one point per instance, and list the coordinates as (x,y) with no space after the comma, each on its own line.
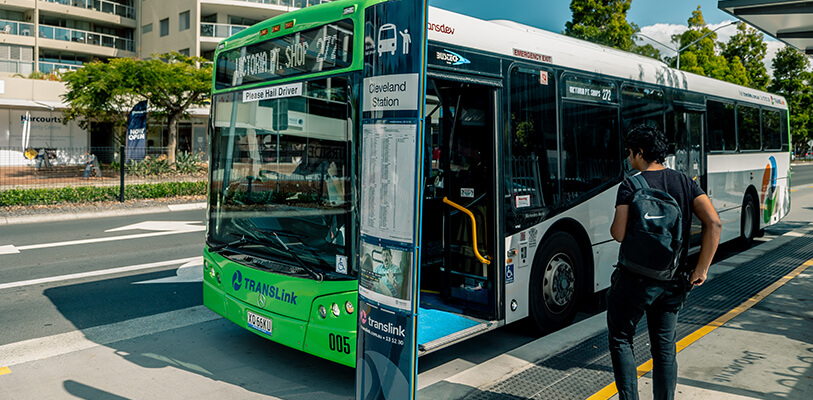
(679,186)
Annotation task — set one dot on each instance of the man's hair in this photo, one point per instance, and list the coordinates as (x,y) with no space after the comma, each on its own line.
(649,140)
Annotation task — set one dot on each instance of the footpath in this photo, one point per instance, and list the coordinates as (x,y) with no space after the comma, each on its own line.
(745,334)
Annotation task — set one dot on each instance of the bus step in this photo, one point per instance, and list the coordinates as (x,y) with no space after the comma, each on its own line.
(456,337)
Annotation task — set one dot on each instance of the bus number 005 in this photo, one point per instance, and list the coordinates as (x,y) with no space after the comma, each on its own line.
(339,343)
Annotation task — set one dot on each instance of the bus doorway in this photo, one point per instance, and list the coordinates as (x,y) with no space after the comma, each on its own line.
(458,222)
(690,155)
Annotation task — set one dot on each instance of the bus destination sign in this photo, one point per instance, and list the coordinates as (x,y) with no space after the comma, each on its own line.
(314,50)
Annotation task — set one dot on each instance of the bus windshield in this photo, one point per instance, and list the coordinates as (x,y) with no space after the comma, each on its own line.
(280,173)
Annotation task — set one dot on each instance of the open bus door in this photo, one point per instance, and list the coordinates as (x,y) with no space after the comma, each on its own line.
(457,276)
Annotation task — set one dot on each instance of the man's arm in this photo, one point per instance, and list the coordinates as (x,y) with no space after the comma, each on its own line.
(619,227)
(711,237)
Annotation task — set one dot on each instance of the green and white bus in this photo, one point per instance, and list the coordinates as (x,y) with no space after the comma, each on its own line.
(523,155)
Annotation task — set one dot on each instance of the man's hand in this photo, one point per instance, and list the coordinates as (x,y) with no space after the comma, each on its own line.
(697,278)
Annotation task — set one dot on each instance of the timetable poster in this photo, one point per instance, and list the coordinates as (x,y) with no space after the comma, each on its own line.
(388,178)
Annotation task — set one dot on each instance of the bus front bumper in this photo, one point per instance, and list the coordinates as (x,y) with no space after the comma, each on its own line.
(332,338)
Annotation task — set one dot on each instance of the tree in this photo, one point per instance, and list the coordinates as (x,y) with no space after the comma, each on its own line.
(94,94)
(172,83)
(601,21)
(749,45)
(792,80)
(106,92)
(700,58)
(646,50)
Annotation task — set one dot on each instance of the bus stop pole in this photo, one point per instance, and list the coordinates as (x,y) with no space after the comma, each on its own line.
(389,253)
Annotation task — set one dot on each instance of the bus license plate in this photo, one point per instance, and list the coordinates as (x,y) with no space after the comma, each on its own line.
(259,323)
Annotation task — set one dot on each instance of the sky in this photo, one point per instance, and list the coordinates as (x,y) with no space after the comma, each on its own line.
(658,19)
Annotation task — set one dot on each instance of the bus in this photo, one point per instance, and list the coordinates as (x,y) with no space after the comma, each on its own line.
(523,156)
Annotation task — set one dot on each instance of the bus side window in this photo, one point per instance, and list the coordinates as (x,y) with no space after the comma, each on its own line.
(772,138)
(533,143)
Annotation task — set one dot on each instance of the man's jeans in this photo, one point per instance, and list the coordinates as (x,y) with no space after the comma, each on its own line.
(629,297)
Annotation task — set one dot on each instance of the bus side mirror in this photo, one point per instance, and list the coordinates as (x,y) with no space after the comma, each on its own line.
(280,121)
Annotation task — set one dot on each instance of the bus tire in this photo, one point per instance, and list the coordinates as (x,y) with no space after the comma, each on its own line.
(557,281)
(749,222)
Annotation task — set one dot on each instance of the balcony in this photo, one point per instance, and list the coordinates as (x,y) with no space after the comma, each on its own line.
(288,3)
(91,38)
(211,30)
(15,28)
(57,68)
(107,7)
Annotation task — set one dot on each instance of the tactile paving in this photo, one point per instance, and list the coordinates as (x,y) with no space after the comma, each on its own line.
(579,372)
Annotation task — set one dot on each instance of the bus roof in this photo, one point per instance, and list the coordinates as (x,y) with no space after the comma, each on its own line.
(512,39)
(538,46)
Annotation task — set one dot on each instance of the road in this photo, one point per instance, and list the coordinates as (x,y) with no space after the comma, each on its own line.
(111,308)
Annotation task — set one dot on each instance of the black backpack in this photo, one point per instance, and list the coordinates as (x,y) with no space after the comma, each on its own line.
(654,235)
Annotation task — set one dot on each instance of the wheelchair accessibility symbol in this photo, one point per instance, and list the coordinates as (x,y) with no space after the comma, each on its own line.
(509,273)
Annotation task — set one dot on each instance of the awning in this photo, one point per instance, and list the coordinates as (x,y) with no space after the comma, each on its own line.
(789,21)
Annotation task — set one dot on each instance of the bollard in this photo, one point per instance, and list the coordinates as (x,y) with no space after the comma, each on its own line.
(121,174)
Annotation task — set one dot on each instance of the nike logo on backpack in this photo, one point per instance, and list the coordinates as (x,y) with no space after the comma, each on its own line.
(647,216)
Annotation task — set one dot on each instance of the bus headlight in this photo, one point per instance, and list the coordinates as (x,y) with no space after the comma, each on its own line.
(322,312)
(334,308)
(348,306)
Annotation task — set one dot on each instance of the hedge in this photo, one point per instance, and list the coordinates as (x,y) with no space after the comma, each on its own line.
(29,197)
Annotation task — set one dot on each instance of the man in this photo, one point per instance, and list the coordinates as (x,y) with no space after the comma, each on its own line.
(630,295)
(390,276)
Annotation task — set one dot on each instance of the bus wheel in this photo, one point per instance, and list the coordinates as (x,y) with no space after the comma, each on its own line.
(556,283)
(749,222)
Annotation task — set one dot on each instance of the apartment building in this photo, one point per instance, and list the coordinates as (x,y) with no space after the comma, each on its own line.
(54,36)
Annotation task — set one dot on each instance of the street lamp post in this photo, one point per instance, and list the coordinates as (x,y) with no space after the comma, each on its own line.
(686,46)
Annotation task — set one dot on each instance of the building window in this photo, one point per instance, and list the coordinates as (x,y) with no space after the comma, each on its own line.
(183,21)
(184,52)
(164,26)
(146,29)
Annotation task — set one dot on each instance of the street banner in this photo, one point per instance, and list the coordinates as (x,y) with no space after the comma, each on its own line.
(137,132)
(392,129)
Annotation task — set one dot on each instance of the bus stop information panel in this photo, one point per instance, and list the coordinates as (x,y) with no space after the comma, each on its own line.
(391,134)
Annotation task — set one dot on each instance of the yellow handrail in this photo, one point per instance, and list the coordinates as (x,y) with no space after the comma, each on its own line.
(473,228)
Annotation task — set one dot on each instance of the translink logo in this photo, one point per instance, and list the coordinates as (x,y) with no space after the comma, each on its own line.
(269,291)
(388,328)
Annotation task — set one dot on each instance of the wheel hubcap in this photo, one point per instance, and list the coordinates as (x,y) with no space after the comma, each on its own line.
(559,284)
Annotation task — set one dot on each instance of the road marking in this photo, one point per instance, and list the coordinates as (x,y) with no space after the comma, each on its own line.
(103,272)
(189,272)
(11,249)
(610,390)
(179,226)
(5,370)
(186,207)
(64,343)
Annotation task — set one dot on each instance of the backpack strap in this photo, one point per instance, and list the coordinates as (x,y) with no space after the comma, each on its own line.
(638,182)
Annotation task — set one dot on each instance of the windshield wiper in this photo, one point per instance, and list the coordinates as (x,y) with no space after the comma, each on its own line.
(278,231)
(293,235)
(244,241)
(237,243)
(315,274)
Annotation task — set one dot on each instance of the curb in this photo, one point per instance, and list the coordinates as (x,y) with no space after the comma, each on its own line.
(73,216)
